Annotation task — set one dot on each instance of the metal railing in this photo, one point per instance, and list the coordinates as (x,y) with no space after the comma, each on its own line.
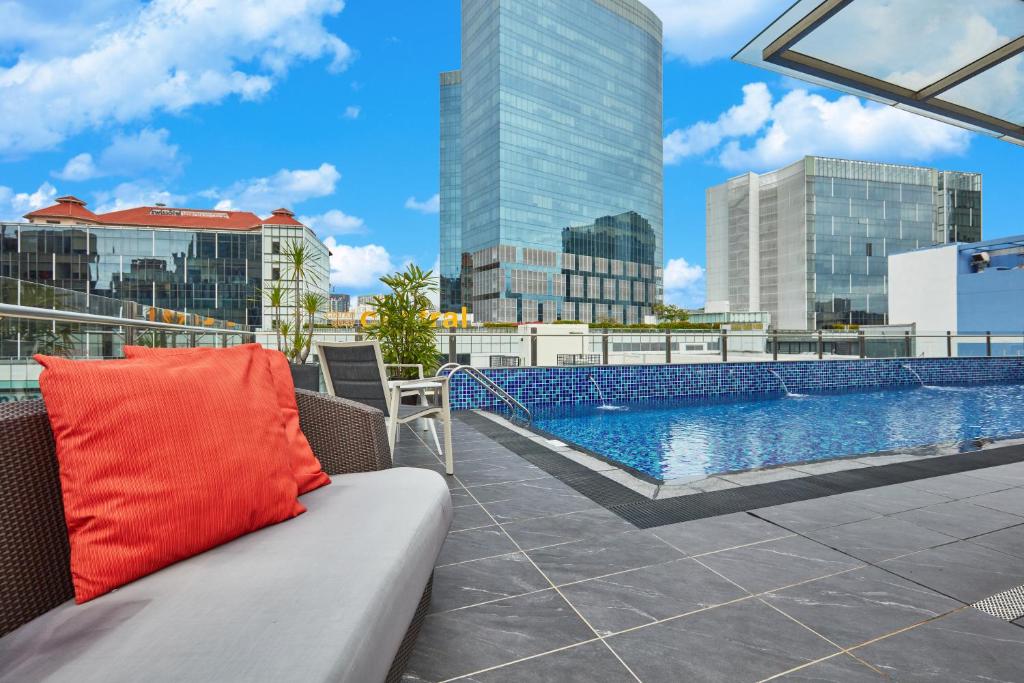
(642,347)
(450,369)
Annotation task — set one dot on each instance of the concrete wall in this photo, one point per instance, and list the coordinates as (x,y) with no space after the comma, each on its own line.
(923,289)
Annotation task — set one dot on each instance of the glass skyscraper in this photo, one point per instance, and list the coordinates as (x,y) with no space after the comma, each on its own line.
(551,162)
(809,243)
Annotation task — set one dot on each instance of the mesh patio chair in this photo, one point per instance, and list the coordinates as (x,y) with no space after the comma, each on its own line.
(356,371)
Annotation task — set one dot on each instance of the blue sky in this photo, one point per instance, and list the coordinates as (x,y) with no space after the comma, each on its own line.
(331,109)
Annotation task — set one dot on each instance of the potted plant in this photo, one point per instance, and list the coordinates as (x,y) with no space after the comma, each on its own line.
(405,334)
(295,336)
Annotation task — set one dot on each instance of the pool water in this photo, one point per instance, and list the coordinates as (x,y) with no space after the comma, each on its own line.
(667,439)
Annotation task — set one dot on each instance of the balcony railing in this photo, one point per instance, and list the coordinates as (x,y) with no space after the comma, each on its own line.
(26,331)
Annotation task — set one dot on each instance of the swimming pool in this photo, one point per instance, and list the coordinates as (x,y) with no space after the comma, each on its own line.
(669,438)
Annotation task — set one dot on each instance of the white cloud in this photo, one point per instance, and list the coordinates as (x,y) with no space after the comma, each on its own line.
(698,31)
(352,112)
(358,267)
(78,167)
(131,194)
(159,56)
(145,151)
(435,296)
(284,188)
(427,206)
(335,222)
(14,205)
(802,122)
(741,119)
(684,283)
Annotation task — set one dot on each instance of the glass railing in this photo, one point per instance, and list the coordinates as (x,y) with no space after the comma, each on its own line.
(27,330)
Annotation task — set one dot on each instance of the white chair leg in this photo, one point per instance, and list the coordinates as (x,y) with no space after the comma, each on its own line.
(449,461)
(433,431)
(446,413)
(393,426)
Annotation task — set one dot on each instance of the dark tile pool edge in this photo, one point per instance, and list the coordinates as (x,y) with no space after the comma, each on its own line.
(645,513)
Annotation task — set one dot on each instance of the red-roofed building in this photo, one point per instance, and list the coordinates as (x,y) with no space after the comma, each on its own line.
(204,261)
(281,217)
(67,211)
(193,219)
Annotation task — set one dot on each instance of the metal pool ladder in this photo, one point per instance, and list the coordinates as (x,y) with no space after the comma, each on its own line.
(489,384)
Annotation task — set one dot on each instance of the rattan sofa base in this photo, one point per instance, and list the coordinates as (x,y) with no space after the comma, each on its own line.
(35,577)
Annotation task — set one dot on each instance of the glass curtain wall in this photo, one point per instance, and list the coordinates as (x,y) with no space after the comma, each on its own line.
(561,127)
(450,191)
(213,274)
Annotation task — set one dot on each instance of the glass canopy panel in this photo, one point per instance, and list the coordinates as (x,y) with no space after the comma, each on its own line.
(998,92)
(913,43)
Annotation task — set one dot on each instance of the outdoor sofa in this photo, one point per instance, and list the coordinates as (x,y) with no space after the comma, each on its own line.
(336,594)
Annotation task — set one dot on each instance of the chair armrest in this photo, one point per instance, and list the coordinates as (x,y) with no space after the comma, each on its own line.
(345,436)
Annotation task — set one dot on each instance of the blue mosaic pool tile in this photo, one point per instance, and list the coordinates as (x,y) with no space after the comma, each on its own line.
(556,385)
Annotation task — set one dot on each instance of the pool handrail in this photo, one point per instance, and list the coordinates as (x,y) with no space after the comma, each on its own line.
(488,384)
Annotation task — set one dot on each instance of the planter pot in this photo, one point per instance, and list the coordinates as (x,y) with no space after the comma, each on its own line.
(306,376)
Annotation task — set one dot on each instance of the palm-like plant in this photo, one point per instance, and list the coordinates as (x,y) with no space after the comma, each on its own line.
(405,335)
(312,305)
(295,338)
(275,299)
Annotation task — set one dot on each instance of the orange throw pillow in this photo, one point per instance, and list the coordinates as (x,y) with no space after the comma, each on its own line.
(305,467)
(161,461)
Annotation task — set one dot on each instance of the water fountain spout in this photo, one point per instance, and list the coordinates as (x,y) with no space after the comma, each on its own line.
(600,394)
(783,383)
(604,404)
(912,372)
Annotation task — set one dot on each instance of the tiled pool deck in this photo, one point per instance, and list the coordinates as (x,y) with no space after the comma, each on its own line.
(538,582)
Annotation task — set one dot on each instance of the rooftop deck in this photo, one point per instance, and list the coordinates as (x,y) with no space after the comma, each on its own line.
(538,582)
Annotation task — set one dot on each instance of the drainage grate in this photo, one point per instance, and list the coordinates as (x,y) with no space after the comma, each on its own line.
(1008,605)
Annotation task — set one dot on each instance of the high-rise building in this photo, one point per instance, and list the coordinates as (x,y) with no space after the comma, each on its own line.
(194,261)
(551,162)
(340,303)
(808,243)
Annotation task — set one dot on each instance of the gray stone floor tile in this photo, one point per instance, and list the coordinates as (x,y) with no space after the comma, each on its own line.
(774,564)
(1013,474)
(858,606)
(1011,500)
(962,570)
(587,663)
(480,472)
(965,646)
(718,533)
(470,517)
(839,669)
(642,596)
(888,500)
(959,486)
(533,490)
(960,519)
(469,583)
(575,526)
(814,514)
(461,497)
(879,539)
(746,641)
(474,544)
(1009,541)
(598,556)
(468,640)
(533,503)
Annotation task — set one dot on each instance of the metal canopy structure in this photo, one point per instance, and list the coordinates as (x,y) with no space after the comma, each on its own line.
(961,62)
